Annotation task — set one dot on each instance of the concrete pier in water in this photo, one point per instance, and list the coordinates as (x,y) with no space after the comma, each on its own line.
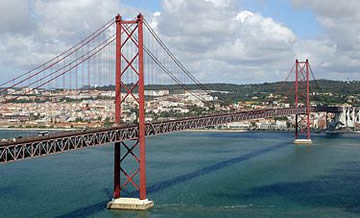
(303,141)
(130,204)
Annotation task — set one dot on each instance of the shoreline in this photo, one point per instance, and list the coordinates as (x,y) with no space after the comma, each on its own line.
(260,131)
(215,130)
(188,130)
(233,130)
(36,129)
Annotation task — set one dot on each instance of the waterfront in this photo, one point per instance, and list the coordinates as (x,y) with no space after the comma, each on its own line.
(196,174)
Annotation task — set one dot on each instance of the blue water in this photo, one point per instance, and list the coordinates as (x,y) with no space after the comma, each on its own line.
(195,174)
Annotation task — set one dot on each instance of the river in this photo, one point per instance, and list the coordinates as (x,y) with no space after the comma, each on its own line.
(196,174)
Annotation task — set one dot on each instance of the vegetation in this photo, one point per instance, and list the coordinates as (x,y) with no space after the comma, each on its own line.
(323,91)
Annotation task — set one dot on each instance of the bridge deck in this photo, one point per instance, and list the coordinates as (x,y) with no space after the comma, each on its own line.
(36,146)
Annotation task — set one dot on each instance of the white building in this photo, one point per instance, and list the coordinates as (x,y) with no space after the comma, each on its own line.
(281,124)
(238,125)
(156,92)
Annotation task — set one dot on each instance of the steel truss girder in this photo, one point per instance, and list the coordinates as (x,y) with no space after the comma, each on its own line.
(30,147)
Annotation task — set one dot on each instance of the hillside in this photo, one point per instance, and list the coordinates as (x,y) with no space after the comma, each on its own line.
(340,90)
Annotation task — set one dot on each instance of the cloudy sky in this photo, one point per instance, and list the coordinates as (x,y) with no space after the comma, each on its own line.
(234,41)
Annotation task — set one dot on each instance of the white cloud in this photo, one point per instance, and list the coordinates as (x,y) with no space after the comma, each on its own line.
(32,32)
(330,8)
(15,17)
(336,55)
(218,38)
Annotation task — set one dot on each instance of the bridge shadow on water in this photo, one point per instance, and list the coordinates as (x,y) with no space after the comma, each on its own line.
(94,208)
(339,189)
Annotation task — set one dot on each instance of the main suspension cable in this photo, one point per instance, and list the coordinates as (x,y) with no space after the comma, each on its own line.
(81,44)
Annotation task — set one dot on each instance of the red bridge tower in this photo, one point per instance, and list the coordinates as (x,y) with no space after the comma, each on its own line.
(302,99)
(129,35)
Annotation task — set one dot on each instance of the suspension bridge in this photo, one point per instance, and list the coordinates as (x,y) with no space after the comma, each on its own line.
(129,55)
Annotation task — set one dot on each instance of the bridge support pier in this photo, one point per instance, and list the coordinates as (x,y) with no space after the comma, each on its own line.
(302,141)
(306,141)
(130,204)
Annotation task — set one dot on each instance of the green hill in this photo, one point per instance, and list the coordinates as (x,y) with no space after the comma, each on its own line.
(326,91)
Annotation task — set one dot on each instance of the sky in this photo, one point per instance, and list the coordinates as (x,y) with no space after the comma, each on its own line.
(231,41)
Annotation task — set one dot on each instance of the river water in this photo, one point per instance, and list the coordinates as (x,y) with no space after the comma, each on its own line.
(196,174)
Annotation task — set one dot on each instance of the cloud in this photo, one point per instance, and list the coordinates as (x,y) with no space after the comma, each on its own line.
(332,8)
(336,54)
(211,37)
(15,17)
(217,38)
(32,32)
(339,18)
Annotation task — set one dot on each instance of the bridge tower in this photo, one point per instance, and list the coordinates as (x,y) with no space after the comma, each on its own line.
(129,36)
(302,99)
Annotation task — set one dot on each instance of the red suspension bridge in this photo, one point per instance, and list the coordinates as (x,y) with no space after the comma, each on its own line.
(131,51)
